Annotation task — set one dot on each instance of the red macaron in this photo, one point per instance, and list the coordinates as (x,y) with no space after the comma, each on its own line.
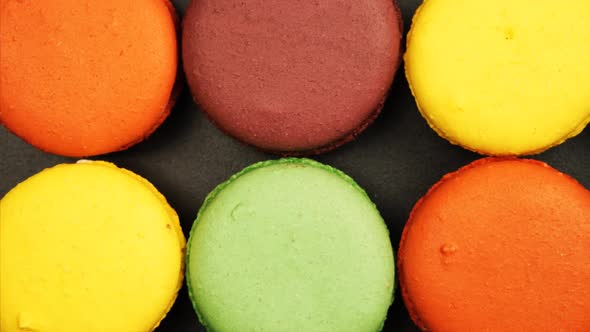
(500,245)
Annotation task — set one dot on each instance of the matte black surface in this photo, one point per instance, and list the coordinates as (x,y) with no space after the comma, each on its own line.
(395,160)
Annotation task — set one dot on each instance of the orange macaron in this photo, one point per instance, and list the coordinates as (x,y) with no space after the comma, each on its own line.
(500,245)
(81,77)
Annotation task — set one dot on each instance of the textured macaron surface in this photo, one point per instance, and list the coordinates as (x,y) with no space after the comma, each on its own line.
(290,245)
(87,247)
(500,245)
(291,76)
(505,77)
(81,77)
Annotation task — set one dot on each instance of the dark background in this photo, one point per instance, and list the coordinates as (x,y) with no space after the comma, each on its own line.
(395,160)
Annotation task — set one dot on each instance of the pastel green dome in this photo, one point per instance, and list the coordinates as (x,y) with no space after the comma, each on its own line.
(290,245)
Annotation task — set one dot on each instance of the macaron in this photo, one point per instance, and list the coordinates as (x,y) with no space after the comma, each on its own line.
(82,78)
(87,247)
(291,77)
(500,245)
(290,245)
(506,77)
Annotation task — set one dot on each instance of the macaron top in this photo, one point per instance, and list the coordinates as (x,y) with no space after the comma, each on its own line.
(295,76)
(506,77)
(80,77)
(87,247)
(290,245)
(500,245)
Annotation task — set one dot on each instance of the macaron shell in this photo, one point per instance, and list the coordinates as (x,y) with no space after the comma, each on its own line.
(500,245)
(503,77)
(258,261)
(87,247)
(82,78)
(305,83)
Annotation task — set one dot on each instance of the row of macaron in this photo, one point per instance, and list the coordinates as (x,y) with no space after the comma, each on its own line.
(296,245)
(84,78)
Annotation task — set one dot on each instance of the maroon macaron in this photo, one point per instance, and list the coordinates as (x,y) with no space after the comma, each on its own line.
(291,77)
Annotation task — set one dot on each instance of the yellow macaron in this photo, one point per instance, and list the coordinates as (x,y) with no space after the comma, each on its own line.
(87,247)
(505,77)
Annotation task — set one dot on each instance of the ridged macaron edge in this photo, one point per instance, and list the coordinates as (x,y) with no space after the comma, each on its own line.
(447,177)
(262,164)
(175,225)
(574,132)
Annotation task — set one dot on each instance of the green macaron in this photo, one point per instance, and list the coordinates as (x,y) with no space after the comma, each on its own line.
(290,245)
